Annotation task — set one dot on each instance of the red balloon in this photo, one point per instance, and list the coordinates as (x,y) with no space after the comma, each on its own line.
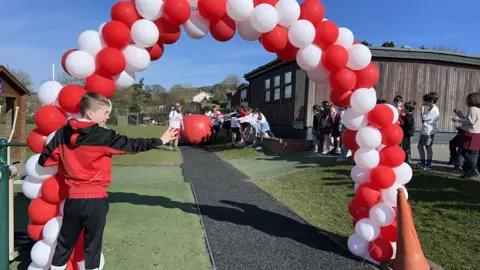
(334,58)
(367,77)
(69,98)
(125,12)
(276,40)
(49,118)
(381,176)
(381,116)
(340,99)
(312,10)
(156,51)
(72,266)
(176,11)
(389,232)
(289,53)
(392,156)
(99,84)
(343,80)
(36,141)
(110,62)
(212,10)
(356,42)
(380,250)
(223,29)
(41,212)
(357,209)
(348,139)
(54,189)
(326,34)
(64,58)
(197,128)
(270,2)
(392,134)
(116,34)
(368,194)
(169,33)
(35,231)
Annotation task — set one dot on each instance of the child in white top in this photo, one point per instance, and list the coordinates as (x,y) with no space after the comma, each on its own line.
(175,121)
(217,119)
(430,117)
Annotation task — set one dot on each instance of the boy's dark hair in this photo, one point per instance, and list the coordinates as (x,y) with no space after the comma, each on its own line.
(381,101)
(92,101)
(431,97)
(409,106)
(473,100)
(326,104)
(397,99)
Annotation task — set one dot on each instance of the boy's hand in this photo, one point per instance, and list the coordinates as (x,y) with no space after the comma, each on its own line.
(169,135)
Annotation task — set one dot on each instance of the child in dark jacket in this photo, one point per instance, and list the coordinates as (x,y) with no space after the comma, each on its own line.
(408,126)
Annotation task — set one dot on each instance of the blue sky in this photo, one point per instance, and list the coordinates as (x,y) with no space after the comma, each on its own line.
(35,34)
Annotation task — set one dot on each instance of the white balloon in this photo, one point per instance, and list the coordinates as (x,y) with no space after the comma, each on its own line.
(100,28)
(51,230)
(359,56)
(193,3)
(48,92)
(124,80)
(38,172)
(144,33)
(367,230)
(395,113)
(149,9)
(90,42)
(301,33)
(394,246)
(368,137)
(380,147)
(345,37)
(33,266)
(382,214)
(50,137)
(137,58)
(363,100)
(247,32)
(359,175)
(31,188)
(239,10)
(354,120)
(309,57)
(367,159)
(61,207)
(80,64)
(318,74)
(42,253)
(264,18)
(74,116)
(389,195)
(196,27)
(357,245)
(288,12)
(403,174)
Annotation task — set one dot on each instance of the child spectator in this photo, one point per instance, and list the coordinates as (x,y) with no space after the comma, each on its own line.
(408,128)
(344,153)
(217,119)
(315,130)
(398,103)
(430,116)
(333,123)
(264,129)
(175,121)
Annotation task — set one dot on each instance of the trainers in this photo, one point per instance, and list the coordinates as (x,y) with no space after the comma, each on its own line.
(170,148)
(427,167)
(258,148)
(420,166)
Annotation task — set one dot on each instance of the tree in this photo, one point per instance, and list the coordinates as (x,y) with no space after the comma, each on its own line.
(423,48)
(388,44)
(155,88)
(231,79)
(22,76)
(64,79)
(445,48)
(366,43)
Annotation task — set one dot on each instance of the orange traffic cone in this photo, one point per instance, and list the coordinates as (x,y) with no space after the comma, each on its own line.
(409,252)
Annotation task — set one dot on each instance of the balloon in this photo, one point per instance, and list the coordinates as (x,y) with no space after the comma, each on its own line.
(156,51)
(64,59)
(382,177)
(99,84)
(357,245)
(348,139)
(363,100)
(35,231)
(392,134)
(78,251)
(38,172)
(48,92)
(197,128)
(395,113)
(176,11)
(335,58)
(116,34)
(276,40)
(36,141)
(110,62)
(381,116)
(357,209)
(288,12)
(168,33)
(193,3)
(342,80)
(389,232)
(212,10)
(264,18)
(367,77)
(31,188)
(80,64)
(318,74)
(144,33)
(269,2)
(382,214)
(366,230)
(367,158)
(289,53)
(54,189)
(312,10)
(389,195)
(309,57)
(126,13)
(41,212)
(340,100)
(51,230)
(367,194)
(41,253)
(326,34)
(125,80)
(359,175)
(149,9)
(137,58)
(70,97)
(392,156)
(197,27)
(239,10)
(380,250)
(368,137)
(223,29)
(403,174)
(89,41)
(301,33)
(246,30)
(345,38)
(49,118)
(359,56)
(354,120)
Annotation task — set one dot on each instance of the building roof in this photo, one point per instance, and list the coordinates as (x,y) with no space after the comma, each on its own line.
(392,53)
(16,84)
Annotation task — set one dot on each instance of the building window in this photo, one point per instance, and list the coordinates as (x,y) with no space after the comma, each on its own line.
(288,85)
(243,96)
(276,88)
(267,90)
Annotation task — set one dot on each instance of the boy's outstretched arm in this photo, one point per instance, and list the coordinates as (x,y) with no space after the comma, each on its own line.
(119,144)
(50,155)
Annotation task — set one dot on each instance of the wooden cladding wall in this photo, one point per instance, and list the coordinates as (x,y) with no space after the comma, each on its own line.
(412,80)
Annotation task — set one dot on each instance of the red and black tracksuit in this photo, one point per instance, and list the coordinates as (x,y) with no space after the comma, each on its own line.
(83,152)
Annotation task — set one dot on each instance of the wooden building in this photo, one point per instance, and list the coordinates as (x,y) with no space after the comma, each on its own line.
(13,94)
(284,94)
(238,97)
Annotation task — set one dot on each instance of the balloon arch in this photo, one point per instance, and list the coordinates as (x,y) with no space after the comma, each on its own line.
(108,59)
